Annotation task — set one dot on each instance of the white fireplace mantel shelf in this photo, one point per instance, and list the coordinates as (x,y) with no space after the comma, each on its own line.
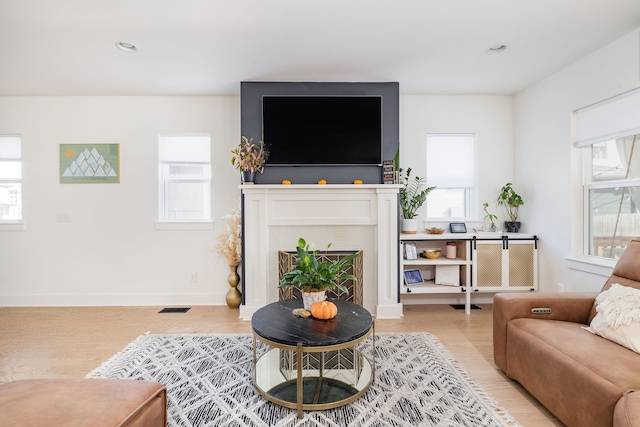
(351,216)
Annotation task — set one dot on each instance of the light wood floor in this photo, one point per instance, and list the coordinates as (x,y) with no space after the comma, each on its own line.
(70,342)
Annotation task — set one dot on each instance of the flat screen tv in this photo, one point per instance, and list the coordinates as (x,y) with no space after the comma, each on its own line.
(322,130)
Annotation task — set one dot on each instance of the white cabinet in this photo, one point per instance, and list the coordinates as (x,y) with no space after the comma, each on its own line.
(505,264)
(441,275)
(483,263)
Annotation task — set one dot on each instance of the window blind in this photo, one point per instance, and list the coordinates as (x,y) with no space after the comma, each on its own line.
(10,147)
(610,119)
(450,160)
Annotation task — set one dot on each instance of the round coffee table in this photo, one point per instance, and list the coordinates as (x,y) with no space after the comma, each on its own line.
(312,364)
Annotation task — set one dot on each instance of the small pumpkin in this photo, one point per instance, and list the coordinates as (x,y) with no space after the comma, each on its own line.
(322,181)
(286,182)
(324,310)
(357,181)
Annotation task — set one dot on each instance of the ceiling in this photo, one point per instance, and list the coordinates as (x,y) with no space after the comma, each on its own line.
(207,47)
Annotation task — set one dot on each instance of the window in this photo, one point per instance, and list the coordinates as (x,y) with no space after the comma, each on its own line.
(451,169)
(10,178)
(185,177)
(609,133)
(613,196)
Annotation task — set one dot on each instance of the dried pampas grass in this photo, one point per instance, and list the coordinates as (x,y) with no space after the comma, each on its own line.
(230,243)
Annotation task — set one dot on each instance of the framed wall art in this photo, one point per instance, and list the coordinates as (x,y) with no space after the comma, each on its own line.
(89,163)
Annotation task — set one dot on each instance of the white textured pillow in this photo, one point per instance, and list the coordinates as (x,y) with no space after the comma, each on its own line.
(618,317)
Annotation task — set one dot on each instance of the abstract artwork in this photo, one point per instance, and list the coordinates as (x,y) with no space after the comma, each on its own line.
(89,163)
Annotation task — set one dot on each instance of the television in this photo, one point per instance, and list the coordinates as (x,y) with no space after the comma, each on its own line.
(322,130)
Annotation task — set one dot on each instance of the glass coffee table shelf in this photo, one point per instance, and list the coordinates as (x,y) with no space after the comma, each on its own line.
(312,364)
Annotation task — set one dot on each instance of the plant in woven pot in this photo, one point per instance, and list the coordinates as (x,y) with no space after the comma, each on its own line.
(313,277)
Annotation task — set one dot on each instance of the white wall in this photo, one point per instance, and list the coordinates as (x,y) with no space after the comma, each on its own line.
(489,117)
(110,252)
(547,167)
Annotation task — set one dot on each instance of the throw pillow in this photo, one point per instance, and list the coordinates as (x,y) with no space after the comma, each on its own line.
(618,316)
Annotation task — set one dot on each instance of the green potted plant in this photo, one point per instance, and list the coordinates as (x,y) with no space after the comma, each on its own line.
(412,197)
(489,220)
(313,277)
(511,202)
(249,157)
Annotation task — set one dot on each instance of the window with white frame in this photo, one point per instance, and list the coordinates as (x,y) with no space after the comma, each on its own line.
(184,177)
(609,134)
(10,178)
(451,169)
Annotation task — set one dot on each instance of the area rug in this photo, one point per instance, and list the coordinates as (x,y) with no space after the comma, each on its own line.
(208,379)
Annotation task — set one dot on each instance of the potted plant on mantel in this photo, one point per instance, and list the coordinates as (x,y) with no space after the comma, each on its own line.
(249,157)
(412,197)
(511,202)
(314,277)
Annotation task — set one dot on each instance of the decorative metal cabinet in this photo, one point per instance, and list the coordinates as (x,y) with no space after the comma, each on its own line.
(505,264)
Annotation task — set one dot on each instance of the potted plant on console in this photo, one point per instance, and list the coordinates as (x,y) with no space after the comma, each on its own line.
(249,157)
(511,202)
(412,197)
(313,277)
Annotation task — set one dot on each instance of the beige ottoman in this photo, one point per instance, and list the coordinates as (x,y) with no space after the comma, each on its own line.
(84,402)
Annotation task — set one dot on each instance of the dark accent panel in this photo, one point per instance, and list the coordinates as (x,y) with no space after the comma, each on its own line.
(251,126)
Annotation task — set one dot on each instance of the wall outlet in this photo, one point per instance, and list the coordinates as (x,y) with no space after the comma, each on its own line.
(194,276)
(560,287)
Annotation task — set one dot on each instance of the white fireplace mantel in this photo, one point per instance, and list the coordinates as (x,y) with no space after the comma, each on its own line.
(351,217)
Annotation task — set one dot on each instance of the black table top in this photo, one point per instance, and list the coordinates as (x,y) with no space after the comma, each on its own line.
(275,322)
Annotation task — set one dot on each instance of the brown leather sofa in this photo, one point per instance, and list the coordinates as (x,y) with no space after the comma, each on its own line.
(84,402)
(582,378)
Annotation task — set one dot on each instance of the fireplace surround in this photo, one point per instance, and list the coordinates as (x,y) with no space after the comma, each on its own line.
(350,217)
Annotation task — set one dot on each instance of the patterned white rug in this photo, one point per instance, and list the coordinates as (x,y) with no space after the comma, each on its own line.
(208,379)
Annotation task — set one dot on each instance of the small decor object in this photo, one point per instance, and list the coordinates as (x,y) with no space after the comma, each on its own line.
(322,182)
(511,202)
(432,253)
(230,245)
(249,157)
(357,181)
(324,310)
(410,251)
(89,163)
(434,230)
(286,182)
(451,250)
(412,197)
(311,275)
(388,172)
(457,227)
(413,277)
(301,312)
(489,220)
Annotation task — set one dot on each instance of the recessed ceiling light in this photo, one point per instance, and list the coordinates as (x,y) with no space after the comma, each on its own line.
(496,49)
(127,47)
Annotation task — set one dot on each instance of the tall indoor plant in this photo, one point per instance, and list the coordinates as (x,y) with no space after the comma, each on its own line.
(249,157)
(511,202)
(313,277)
(412,197)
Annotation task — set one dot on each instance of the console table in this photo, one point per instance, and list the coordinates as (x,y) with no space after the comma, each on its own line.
(312,364)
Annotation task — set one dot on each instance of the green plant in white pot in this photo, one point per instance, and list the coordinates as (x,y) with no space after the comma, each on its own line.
(412,197)
(313,276)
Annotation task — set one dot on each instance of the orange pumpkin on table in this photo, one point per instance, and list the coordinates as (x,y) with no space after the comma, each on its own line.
(324,310)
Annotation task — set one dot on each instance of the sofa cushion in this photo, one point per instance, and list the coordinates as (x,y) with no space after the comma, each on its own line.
(626,272)
(554,360)
(618,317)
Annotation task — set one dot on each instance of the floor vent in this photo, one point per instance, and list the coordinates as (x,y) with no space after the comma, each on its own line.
(175,310)
(461,307)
